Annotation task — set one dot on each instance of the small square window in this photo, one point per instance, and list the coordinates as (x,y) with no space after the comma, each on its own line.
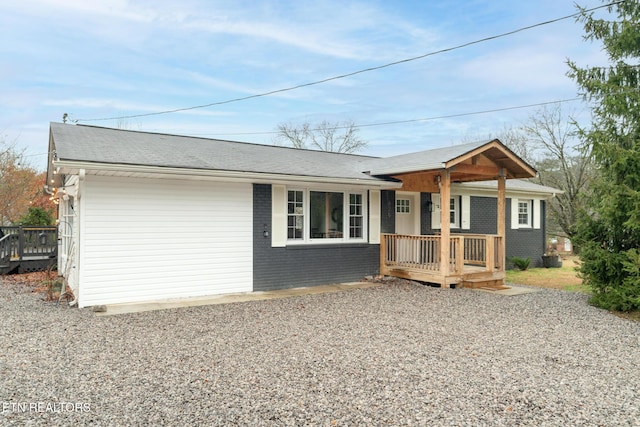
(403,206)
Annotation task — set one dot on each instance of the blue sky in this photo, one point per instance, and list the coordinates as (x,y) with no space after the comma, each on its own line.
(112,58)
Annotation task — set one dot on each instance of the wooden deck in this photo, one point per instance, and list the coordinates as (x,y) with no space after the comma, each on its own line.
(28,249)
(475,260)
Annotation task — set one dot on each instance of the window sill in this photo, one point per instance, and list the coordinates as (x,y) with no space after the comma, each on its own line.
(325,245)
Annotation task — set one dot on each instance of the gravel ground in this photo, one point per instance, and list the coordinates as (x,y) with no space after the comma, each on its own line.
(397,354)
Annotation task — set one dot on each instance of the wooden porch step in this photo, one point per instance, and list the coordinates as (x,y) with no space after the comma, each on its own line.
(484,283)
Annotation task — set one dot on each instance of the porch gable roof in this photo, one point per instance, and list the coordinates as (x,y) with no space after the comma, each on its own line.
(474,161)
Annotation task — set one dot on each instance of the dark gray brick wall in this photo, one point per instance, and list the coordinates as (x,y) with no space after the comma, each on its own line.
(308,265)
(526,242)
(484,215)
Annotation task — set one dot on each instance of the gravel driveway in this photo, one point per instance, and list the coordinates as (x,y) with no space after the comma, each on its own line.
(397,354)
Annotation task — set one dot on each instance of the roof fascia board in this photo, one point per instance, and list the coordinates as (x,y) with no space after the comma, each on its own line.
(71,167)
(400,171)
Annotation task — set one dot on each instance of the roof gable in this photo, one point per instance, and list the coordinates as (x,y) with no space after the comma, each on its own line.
(468,162)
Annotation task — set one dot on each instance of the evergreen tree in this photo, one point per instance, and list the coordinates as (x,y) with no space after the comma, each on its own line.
(36,217)
(608,233)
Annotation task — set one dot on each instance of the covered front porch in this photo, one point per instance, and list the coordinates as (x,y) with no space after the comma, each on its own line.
(446,258)
(474,260)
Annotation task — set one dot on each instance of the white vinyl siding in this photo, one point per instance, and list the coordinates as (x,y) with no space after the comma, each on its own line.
(145,240)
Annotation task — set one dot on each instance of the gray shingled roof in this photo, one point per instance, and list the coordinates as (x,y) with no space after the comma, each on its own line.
(422,160)
(92,144)
(82,143)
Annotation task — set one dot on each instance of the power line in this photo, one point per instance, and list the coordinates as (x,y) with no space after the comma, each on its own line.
(424,119)
(365,70)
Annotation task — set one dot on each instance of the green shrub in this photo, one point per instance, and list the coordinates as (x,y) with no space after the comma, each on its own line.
(521,263)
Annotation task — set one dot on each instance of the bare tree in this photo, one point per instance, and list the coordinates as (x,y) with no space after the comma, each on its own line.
(518,142)
(549,142)
(339,137)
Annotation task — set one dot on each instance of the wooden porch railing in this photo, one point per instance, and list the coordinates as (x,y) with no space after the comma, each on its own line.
(423,252)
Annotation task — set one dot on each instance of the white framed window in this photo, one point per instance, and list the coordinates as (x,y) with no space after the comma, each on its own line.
(325,215)
(524,213)
(295,214)
(454,211)
(356,217)
(403,206)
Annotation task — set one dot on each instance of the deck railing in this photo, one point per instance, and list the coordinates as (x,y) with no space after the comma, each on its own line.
(21,243)
(423,252)
(6,248)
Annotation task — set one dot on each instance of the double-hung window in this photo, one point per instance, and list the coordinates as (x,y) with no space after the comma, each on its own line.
(454,211)
(524,213)
(314,215)
(295,214)
(356,216)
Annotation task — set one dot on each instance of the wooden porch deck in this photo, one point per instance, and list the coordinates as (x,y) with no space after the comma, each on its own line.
(28,249)
(475,260)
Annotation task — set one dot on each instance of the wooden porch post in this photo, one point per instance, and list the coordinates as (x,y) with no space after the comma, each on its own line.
(384,270)
(445,223)
(502,208)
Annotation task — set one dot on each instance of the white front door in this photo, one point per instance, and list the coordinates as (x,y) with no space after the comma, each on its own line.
(407,213)
(408,222)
